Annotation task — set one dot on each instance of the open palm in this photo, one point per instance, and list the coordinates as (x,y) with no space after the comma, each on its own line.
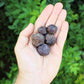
(29,61)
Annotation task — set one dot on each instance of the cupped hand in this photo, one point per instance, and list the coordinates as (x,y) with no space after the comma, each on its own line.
(45,68)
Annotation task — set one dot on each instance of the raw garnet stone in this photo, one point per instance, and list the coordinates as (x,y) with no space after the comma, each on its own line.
(37,39)
(52,29)
(43,49)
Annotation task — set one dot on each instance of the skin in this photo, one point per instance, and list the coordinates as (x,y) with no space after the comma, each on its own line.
(33,68)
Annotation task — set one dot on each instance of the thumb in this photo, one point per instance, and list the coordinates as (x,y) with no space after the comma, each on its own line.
(24,36)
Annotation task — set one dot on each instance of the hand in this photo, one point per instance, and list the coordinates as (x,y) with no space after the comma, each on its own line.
(32,66)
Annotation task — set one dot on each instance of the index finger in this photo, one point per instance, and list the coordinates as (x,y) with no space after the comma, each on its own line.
(42,19)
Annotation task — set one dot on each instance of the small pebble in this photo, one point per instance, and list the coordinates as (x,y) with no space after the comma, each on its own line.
(37,39)
(42,30)
(43,50)
(52,29)
(50,39)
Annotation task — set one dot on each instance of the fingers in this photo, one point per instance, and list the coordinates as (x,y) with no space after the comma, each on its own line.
(24,36)
(63,34)
(27,31)
(60,20)
(41,21)
(57,9)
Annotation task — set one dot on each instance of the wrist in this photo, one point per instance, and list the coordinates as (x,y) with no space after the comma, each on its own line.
(28,79)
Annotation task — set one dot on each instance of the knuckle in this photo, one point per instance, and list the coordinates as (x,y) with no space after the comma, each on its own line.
(67,23)
(20,34)
(36,22)
(15,49)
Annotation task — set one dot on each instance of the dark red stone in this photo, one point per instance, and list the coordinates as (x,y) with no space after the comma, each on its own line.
(37,39)
(50,39)
(43,50)
(52,29)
